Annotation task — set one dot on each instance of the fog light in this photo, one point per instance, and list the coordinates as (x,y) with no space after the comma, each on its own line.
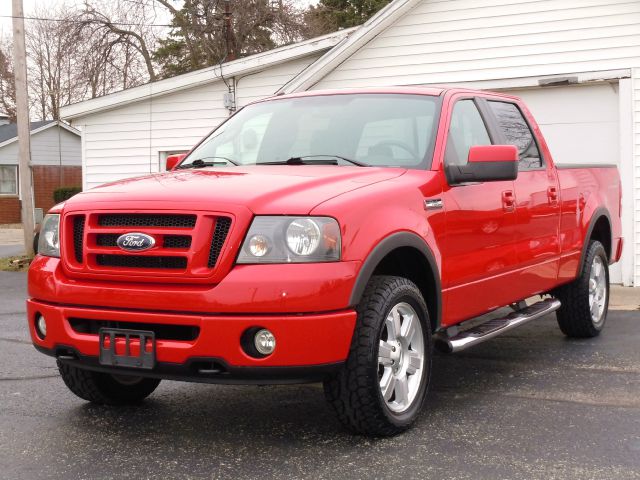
(41,326)
(264,342)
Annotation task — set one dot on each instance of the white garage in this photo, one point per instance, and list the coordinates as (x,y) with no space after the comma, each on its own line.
(582,125)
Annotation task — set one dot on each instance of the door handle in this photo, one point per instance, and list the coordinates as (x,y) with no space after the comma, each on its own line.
(508,201)
(552,195)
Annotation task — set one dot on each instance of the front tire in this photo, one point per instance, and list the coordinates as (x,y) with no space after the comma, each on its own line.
(585,301)
(381,388)
(106,389)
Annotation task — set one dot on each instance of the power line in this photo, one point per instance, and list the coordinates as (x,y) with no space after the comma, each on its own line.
(64,20)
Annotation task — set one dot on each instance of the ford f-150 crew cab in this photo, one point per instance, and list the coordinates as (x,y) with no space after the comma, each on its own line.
(333,236)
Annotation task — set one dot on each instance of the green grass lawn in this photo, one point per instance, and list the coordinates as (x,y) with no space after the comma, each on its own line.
(15,264)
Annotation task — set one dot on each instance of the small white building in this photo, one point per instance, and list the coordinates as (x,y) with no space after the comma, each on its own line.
(55,163)
(575,62)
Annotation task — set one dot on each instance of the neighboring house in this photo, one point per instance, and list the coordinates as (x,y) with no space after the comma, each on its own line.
(575,62)
(56,162)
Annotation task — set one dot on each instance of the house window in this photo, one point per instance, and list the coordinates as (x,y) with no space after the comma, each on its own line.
(8,179)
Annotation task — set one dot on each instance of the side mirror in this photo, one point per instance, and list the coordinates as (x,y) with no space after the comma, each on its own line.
(173,160)
(486,163)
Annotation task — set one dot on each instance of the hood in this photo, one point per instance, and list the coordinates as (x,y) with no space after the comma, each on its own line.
(273,189)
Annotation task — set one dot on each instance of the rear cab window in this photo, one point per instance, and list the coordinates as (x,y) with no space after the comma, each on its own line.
(517,132)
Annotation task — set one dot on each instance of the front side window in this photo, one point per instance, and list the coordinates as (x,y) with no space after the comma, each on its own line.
(392,130)
(517,132)
(8,180)
(465,130)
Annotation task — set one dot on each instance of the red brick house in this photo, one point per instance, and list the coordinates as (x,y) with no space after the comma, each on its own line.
(56,161)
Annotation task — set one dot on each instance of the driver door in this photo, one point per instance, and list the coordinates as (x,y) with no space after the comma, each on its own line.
(478,248)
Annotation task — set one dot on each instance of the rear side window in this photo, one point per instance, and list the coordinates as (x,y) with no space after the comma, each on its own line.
(517,132)
(466,130)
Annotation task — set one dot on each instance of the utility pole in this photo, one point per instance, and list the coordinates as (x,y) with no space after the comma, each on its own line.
(24,136)
(229,36)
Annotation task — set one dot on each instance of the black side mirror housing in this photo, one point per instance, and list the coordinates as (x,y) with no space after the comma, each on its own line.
(486,163)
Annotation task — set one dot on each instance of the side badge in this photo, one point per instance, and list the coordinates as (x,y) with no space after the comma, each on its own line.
(433,204)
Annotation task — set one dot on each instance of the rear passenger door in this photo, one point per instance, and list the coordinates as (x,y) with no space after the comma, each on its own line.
(537,201)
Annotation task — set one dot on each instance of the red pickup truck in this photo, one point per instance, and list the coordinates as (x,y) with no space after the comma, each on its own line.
(333,236)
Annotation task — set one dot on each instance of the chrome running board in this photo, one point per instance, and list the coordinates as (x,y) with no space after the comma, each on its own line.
(494,327)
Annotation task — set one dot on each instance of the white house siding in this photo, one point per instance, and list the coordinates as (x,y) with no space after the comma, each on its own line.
(471,40)
(129,140)
(45,150)
(485,43)
(636,155)
(256,86)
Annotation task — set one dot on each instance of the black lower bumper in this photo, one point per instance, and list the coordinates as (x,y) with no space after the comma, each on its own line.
(202,370)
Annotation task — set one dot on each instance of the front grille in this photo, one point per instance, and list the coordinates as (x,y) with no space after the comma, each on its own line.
(161,331)
(169,241)
(145,220)
(189,246)
(78,237)
(219,236)
(107,239)
(131,261)
(176,241)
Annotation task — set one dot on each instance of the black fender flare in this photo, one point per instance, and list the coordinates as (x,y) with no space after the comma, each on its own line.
(386,246)
(597,215)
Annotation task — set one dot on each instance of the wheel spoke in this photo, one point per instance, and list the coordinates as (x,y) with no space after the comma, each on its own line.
(415,362)
(595,310)
(408,328)
(402,390)
(384,354)
(597,266)
(387,384)
(393,324)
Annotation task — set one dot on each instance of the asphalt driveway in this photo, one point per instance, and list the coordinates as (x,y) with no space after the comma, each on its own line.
(529,404)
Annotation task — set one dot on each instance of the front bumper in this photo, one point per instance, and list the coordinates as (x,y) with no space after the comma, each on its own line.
(308,346)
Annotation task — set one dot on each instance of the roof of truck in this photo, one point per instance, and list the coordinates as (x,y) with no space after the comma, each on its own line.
(408,90)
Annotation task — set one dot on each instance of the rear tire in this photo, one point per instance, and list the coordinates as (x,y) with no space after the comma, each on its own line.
(381,388)
(106,389)
(585,301)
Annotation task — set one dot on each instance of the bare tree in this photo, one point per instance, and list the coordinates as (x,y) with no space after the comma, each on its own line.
(52,49)
(7,81)
(125,27)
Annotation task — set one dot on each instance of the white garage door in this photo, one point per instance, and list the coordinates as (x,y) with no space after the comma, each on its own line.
(581,125)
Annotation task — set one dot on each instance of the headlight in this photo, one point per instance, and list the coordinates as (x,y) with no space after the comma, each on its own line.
(49,242)
(275,239)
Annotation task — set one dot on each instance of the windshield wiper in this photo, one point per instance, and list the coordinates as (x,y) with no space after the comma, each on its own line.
(200,163)
(309,160)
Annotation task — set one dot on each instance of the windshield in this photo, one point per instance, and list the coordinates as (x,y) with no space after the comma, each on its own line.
(393,130)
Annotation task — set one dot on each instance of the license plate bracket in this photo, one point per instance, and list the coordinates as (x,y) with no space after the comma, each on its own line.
(111,337)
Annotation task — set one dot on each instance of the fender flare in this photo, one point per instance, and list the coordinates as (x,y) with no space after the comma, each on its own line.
(597,215)
(382,249)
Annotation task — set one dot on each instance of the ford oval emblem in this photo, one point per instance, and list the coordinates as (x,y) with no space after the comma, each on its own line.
(135,242)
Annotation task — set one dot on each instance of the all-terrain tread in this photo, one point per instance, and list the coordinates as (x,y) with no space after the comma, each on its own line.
(353,393)
(99,388)
(574,316)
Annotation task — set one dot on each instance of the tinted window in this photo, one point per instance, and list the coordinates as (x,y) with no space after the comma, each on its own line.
(517,132)
(466,130)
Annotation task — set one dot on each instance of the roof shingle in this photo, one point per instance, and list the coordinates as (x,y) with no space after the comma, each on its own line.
(10,130)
